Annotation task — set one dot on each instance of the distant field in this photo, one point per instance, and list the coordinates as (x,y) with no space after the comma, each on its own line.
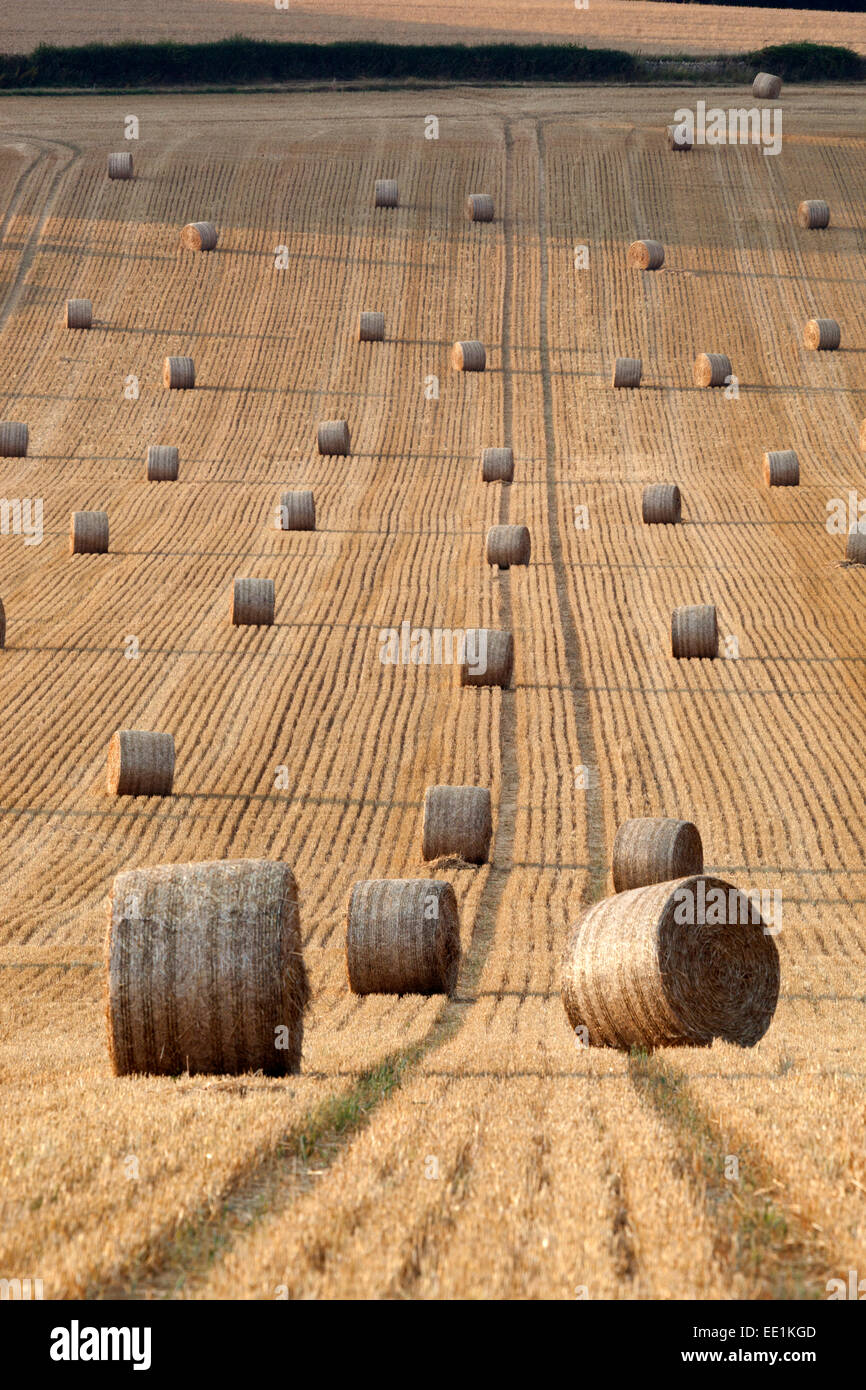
(651,27)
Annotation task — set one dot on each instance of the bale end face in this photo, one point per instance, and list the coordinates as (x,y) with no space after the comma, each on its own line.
(695,632)
(508,545)
(333,437)
(178,373)
(140,763)
(199,236)
(469,357)
(457,821)
(712,369)
(371,326)
(253,603)
(88,533)
(120,165)
(497,465)
(163,461)
(646,255)
(297,511)
(781,468)
(402,937)
(661,504)
(655,849)
(14,439)
(205,970)
(479,207)
(813,212)
(627,372)
(822,335)
(487,657)
(79,313)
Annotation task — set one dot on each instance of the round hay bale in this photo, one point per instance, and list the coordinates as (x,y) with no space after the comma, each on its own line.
(333,437)
(457,821)
(14,438)
(371,326)
(140,763)
(695,631)
(508,545)
(655,849)
(646,255)
(781,468)
(297,511)
(120,165)
(79,313)
(767,86)
(822,335)
(88,533)
(497,465)
(813,212)
(677,138)
(253,602)
(402,937)
(627,371)
(488,657)
(178,373)
(636,972)
(711,369)
(661,504)
(855,550)
(162,463)
(469,357)
(205,969)
(385,193)
(479,207)
(199,236)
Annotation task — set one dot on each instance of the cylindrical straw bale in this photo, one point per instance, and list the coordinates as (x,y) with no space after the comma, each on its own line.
(678,138)
(333,437)
(371,326)
(781,468)
(14,438)
(822,335)
(120,165)
(162,463)
(487,658)
(88,533)
(711,369)
(199,236)
(813,212)
(297,511)
(497,465)
(695,631)
(479,207)
(654,849)
(205,969)
(469,356)
(140,763)
(402,937)
(79,313)
(178,373)
(385,193)
(252,602)
(646,255)
(671,965)
(661,503)
(767,86)
(627,371)
(508,545)
(457,821)
(855,550)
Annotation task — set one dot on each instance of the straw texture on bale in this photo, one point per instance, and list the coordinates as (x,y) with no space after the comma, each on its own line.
(253,602)
(497,465)
(488,658)
(88,533)
(469,357)
(333,437)
(627,371)
(205,969)
(767,86)
(646,255)
(479,207)
(178,373)
(14,438)
(695,631)
(402,937)
(79,313)
(298,511)
(661,503)
(2,625)
(140,763)
(385,193)
(635,974)
(163,461)
(371,326)
(813,212)
(678,139)
(655,849)
(855,550)
(711,369)
(781,468)
(508,545)
(120,165)
(457,821)
(822,335)
(199,236)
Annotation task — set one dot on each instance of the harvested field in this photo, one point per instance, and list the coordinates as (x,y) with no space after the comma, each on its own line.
(556,1167)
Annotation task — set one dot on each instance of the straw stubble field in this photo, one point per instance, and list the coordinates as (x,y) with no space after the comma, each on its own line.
(431,1147)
